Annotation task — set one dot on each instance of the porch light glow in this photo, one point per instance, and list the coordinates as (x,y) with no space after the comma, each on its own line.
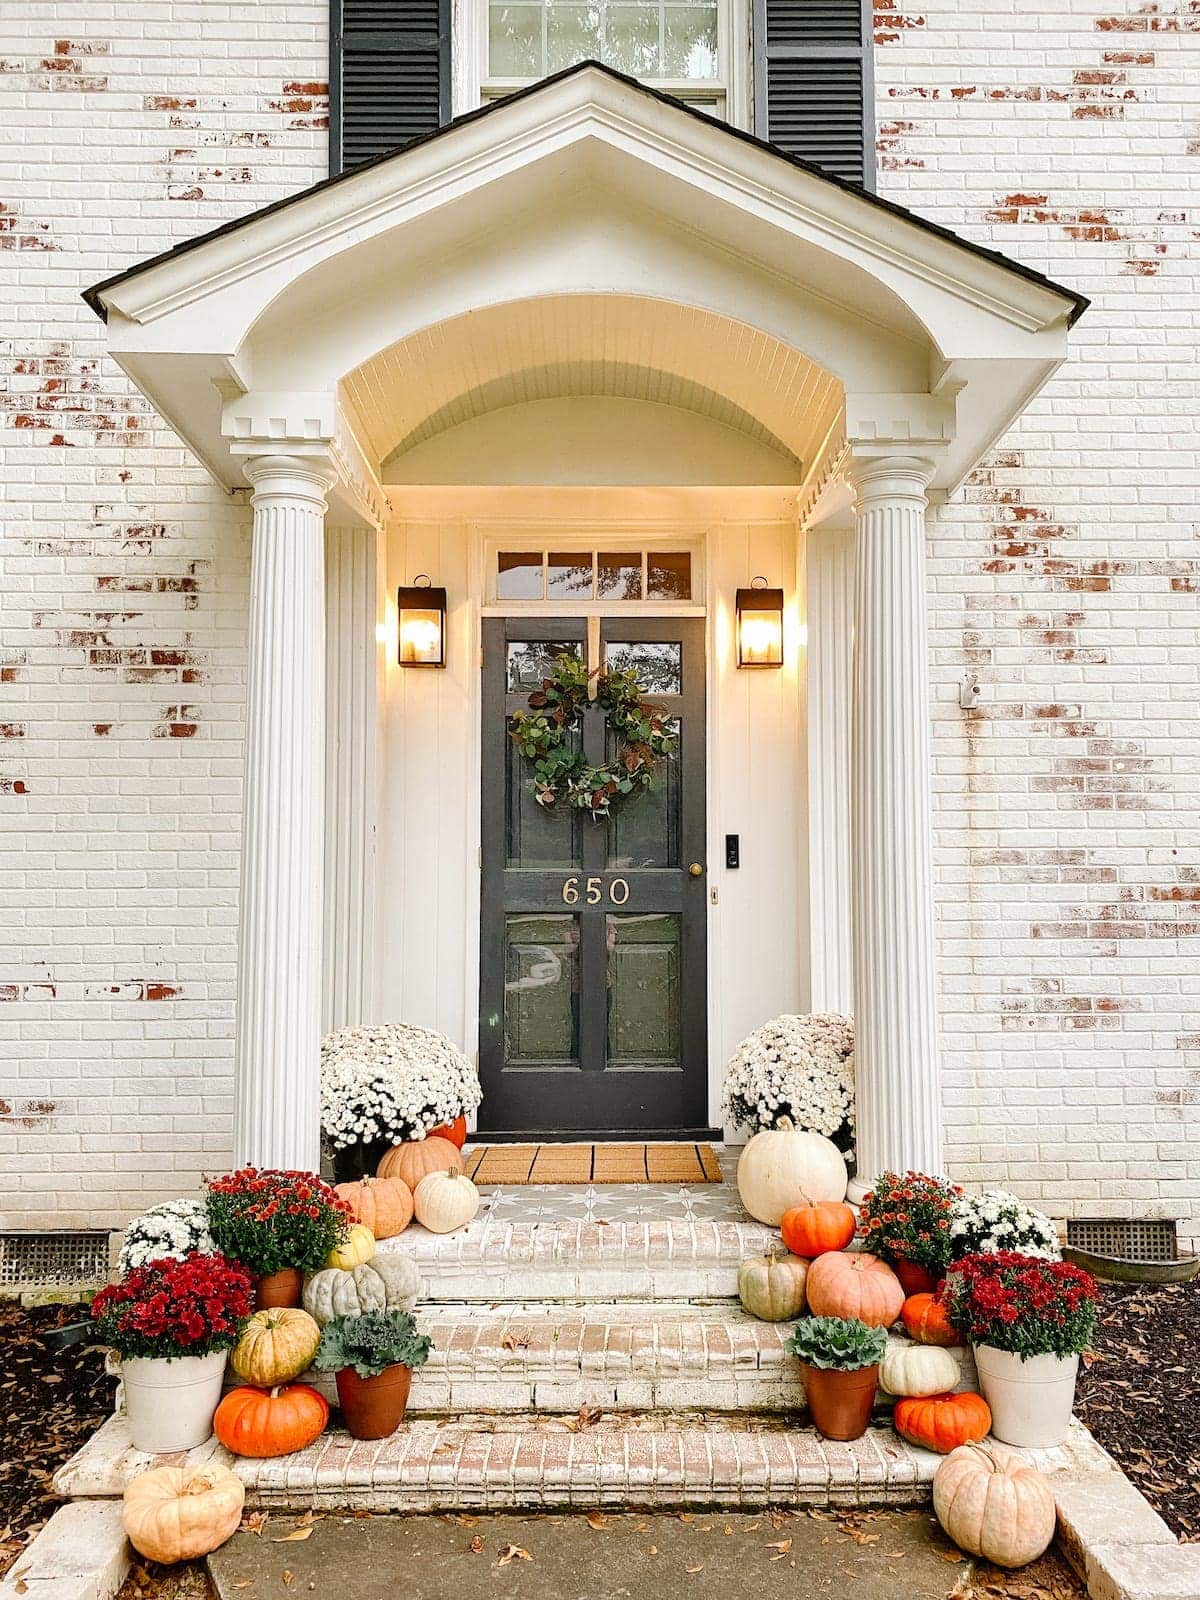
(760,626)
(421,613)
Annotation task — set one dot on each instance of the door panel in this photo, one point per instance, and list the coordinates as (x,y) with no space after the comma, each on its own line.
(592,970)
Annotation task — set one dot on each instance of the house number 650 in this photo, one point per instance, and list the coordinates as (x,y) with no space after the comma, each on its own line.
(593,891)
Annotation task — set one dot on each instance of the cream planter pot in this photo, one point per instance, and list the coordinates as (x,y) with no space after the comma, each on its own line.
(1031,1401)
(170,1404)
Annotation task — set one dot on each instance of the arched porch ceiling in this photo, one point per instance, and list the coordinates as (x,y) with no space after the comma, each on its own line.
(633,348)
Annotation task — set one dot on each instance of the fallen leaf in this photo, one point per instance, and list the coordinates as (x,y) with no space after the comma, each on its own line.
(598,1521)
(686,1516)
(694,1570)
(294,1537)
(513,1552)
(242,1583)
(476,1545)
(512,1341)
(653,1550)
(255,1522)
(287,1578)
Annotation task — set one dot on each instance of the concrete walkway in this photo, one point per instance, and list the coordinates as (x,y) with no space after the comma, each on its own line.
(884,1555)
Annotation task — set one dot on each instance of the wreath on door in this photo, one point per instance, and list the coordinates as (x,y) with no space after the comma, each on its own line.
(545,737)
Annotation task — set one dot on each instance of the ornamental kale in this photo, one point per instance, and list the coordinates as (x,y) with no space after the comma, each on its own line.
(372,1342)
(840,1344)
(1022,1304)
(172,1308)
(271,1219)
(908,1219)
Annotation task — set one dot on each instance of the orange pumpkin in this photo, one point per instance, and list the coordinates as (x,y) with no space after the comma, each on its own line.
(455,1131)
(385,1205)
(262,1423)
(925,1320)
(816,1227)
(856,1285)
(418,1158)
(942,1422)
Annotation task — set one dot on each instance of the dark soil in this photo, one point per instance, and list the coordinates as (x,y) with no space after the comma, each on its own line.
(50,1401)
(1140,1395)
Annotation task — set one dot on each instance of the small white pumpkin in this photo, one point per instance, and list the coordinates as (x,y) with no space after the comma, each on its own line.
(388,1282)
(994,1505)
(771,1287)
(918,1369)
(444,1201)
(783,1167)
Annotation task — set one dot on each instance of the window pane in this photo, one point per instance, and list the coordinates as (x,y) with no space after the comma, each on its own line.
(631,40)
(619,577)
(539,837)
(515,41)
(569,575)
(690,41)
(658,663)
(531,660)
(541,991)
(643,983)
(669,575)
(572,34)
(643,830)
(519,575)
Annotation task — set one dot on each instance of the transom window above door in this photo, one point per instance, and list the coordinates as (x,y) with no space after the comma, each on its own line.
(584,575)
(682,46)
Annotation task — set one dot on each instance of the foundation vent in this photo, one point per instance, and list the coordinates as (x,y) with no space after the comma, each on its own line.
(1122,1239)
(52,1260)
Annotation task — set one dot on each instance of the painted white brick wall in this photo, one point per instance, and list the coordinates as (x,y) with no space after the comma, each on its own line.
(1067,133)
(123,595)
(1066,573)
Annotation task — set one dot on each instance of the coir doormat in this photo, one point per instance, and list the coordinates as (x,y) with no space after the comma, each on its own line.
(592,1163)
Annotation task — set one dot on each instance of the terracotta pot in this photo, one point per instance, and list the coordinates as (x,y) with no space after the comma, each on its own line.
(840,1402)
(914,1279)
(282,1288)
(374,1407)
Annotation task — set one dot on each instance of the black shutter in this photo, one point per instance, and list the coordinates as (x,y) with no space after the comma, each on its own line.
(389,75)
(813,82)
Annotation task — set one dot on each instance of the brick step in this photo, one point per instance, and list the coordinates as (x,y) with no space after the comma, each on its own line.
(622,1356)
(539,1461)
(492,1261)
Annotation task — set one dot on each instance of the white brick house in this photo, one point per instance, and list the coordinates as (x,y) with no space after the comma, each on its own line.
(537,301)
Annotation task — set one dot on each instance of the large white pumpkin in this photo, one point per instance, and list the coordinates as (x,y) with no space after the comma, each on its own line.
(918,1369)
(388,1282)
(444,1201)
(782,1167)
(994,1505)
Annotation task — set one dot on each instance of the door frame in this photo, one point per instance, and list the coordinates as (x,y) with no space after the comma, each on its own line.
(545,619)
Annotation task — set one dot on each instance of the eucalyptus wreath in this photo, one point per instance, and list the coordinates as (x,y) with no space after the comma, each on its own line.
(544,736)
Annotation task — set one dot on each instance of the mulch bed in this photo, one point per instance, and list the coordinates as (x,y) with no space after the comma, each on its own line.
(50,1402)
(1140,1395)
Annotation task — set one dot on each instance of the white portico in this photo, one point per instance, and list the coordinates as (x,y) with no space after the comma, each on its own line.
(586,319)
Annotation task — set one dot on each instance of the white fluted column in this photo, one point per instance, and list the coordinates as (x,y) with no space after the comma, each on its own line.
(899,1107)
(276,1102)
(351,666)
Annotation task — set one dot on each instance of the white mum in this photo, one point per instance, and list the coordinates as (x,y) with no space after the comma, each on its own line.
(169,1231)
(797,1067)
(392,1082)
(987,1223)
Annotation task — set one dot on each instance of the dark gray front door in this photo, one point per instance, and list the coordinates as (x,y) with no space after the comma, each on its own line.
(593,998)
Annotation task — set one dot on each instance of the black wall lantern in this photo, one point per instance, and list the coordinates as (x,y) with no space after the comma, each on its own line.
(760,626)
(421,612)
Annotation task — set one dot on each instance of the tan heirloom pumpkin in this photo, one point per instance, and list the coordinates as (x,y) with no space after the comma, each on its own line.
(388,1282)
(417,1159)
(359,1247)
(382,1204)
(444,1201)
(181,1513)
(275,1346)
(995,1506)
(771,1287)
(917,1369)
(782,1167)
(854,1284)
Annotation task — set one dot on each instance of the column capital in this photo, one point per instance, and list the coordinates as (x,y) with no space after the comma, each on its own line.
(290,478)
(886,476)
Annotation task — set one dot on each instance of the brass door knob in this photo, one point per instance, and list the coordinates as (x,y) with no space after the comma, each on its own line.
(695,870)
